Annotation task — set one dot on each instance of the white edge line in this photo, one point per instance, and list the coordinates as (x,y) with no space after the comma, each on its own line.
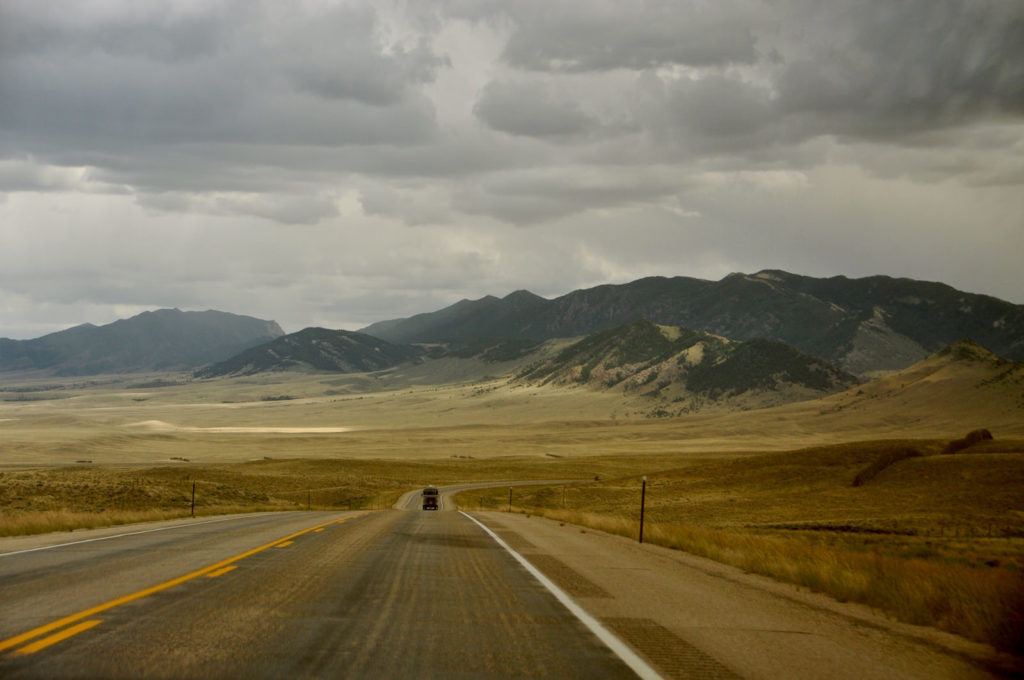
(130,533)
(619,648)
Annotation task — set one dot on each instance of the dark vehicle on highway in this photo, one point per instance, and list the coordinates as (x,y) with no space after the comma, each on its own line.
(430,498)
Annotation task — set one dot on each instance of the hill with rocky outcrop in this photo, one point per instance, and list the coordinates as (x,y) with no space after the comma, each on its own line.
(689,369)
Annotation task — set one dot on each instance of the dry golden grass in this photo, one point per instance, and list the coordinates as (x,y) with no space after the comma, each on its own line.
(54,499)
(413,413)
(813,488)
(980,603)
(48,521)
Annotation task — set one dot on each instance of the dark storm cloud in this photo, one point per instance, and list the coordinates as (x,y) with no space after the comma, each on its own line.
(712,115)
(881,69)
(635,34)
(530,198)
(787,71)
(336,56)
(242,95)
(155,32)
(143,82)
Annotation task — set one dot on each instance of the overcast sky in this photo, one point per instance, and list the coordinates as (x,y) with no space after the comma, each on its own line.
(340,163)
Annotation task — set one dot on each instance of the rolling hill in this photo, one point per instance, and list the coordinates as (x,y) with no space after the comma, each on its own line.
(864,325)
(963,382)
(162,340)
(317,349)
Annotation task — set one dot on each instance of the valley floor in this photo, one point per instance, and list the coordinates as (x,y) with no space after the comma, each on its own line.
(738,486)
(166,418)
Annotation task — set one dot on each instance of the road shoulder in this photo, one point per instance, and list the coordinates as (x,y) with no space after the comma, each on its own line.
(689,615)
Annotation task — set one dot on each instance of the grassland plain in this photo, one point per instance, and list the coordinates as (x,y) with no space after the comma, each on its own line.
(408,413)
(930,538)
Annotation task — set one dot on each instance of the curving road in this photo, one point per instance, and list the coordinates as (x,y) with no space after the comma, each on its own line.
(423,595)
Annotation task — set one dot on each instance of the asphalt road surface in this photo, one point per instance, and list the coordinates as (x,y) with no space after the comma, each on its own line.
(412,594)
(384,595)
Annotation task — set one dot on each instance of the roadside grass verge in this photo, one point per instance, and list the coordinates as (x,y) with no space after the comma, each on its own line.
(983,604)
(935,540)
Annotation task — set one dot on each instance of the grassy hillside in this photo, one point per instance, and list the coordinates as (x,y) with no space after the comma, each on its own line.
(317,349)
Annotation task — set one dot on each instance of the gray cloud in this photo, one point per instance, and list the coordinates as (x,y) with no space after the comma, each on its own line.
(412,204)
(286,209)
(104,89)
(713,115)
(533,197)
(29,175)
(635,34)
(158,32)
(899,68)
(530,110)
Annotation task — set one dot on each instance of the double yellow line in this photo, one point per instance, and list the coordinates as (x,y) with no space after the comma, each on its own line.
(213,570)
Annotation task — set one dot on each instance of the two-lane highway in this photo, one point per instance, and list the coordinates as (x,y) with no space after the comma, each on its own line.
(413,594)
(387,594)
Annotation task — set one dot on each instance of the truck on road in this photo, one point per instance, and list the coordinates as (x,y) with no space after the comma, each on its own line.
(430,497)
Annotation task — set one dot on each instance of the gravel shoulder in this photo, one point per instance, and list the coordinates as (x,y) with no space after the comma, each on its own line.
(690,616)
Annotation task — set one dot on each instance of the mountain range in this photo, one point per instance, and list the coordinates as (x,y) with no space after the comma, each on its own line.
(863,325)
(162,340)
(669,337)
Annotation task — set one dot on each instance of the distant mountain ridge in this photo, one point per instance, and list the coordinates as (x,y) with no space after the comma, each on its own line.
(161,340)
(863,325)
(317,349)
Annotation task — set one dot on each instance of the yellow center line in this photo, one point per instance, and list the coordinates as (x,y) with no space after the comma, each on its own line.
(222,571)
(284,544)
(92,611)
(57,637)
